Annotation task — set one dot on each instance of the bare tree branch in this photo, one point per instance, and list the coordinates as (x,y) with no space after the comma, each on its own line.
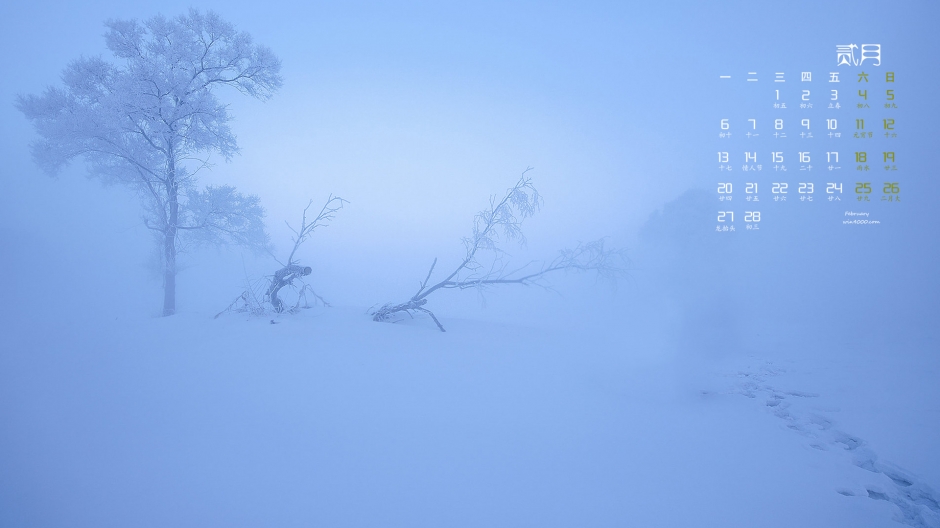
(326,215)
(502,221)
(291,274)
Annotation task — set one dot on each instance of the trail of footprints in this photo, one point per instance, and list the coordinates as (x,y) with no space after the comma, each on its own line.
(918,505)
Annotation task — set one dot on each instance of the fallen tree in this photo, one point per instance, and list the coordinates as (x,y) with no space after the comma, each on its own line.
(502,222)
(256,297)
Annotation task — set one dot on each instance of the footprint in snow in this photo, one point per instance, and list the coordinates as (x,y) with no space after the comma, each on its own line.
(916,503)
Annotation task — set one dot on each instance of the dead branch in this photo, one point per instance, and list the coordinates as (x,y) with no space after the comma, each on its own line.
(290,272)
(502,221)
(326,215)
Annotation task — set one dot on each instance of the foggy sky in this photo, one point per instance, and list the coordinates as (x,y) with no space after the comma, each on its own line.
(417,113)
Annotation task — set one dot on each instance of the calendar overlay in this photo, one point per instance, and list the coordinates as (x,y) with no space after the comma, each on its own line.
(822,138)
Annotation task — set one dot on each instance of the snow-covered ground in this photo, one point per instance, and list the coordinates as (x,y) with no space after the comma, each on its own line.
(673,402)
(329,419)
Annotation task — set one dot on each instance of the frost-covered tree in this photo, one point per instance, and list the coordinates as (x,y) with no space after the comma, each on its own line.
(151,120)
(485,264)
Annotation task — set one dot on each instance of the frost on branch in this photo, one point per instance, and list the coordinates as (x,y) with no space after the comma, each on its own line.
(502,222)
(222,215)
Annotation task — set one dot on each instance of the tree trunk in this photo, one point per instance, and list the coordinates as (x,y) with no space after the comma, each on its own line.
(169,241)
(169,272)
